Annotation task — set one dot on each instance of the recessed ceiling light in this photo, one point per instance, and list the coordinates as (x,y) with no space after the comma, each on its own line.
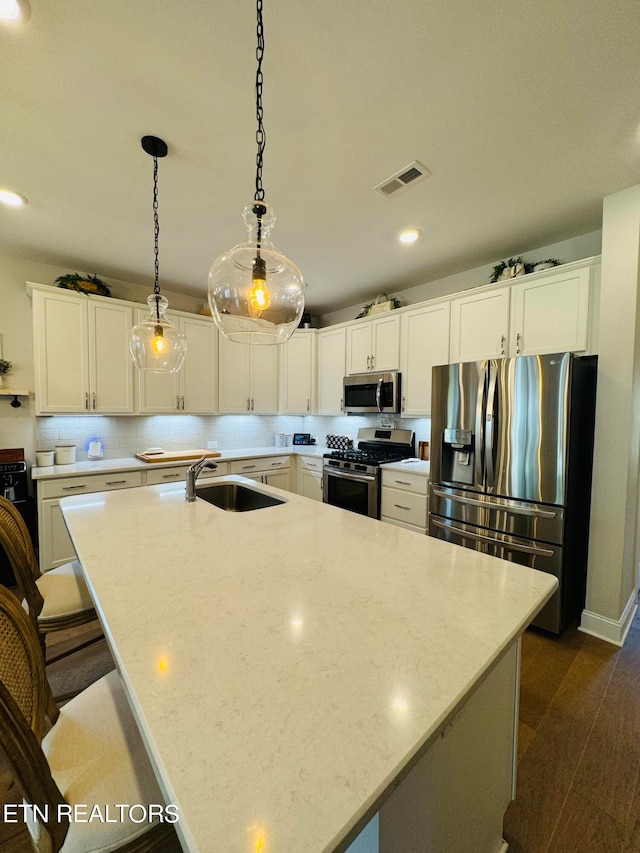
(410,235)
(14,10)
(12,199)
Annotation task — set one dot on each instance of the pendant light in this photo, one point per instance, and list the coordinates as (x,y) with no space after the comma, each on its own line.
(155,344)
(256,294)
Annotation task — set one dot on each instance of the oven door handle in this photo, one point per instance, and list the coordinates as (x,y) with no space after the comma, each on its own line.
(359,478)
(513,546)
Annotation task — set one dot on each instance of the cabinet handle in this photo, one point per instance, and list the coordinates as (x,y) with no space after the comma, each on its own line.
(276,464)
(402,483)
(518,343)
(178,404)
(86,400)
(94,400)
(73,488)
(170,476)
(115,482)
(399,506)
(342,404)
(403,403)
(373,361)
(503,340)
(247,467)
(368,362)
(248,404)
(308,404)
(252,403)
(183,403)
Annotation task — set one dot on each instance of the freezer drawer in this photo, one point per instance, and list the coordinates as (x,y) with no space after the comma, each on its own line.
(535,555)
(516,518)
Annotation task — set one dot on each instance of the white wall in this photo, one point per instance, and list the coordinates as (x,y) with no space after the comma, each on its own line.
(575,249)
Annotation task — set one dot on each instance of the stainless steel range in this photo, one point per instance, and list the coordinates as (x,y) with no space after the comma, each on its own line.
(351,478)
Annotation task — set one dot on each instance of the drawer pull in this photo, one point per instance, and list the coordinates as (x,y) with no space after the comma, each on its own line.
(170,476)
(276,464)
(402,482)
(399,506)
(73,488)
(115,482)
(247,467)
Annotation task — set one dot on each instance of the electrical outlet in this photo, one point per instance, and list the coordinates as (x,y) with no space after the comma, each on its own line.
(212,445)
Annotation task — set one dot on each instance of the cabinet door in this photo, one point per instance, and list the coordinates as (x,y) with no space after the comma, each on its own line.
(297,374)
(551,315)
(264,378)
(310,485)
(359,348)
(199,375)
(331,370)
(425,343)
(279,479)
(385,340)
(110,366)
(158,393)
(56,547)
(233,376)
(480,326)
(61,352)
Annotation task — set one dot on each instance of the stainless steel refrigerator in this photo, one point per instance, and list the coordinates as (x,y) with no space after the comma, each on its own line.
(511,460)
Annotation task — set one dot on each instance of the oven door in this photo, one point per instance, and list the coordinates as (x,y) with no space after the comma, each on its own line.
(355,492)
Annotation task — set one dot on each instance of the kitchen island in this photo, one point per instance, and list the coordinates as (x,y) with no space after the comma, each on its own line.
(298,669)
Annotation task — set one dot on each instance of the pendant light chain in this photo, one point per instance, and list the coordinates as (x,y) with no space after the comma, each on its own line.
(260,134)
(156,234)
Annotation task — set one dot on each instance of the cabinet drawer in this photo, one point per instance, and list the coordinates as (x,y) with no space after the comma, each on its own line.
(418,483)
(84,485)
(310,463)
(179,472)
(404,506)
(250,466)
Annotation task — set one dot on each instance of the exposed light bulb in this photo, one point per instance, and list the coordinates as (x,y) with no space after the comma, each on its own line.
(158,340)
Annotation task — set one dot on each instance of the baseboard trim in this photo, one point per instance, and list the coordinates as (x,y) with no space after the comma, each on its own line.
(611,630)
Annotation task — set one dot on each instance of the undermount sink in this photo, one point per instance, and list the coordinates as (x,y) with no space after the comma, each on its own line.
(233,497)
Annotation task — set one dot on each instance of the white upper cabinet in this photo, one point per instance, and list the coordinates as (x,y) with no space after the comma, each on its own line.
(193,388)
(480,325)
(538,313)
(81,354)
(551,315)
(248,378)
(424,336)
(331,370)
(297,387)
(374,344)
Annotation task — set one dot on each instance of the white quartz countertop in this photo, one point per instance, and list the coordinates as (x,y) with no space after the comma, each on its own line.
(132,463)
(286,664)
(410,466)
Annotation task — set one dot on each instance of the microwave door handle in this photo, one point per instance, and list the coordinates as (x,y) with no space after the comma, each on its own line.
(490,425)
(480,423)
(379,394)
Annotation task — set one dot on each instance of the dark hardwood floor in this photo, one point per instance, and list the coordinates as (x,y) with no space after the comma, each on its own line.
(578,785)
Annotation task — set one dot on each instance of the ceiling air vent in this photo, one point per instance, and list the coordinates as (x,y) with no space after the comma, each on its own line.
(411,174)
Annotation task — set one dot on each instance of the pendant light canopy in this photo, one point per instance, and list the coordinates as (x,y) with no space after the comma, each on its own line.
(155,344)
(256,293)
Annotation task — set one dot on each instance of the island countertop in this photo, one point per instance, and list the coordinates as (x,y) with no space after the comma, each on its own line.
(284,665)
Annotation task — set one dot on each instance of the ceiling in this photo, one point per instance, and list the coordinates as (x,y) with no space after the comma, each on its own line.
(526,114)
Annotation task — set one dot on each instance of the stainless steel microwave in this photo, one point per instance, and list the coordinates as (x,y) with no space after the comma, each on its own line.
(372,392)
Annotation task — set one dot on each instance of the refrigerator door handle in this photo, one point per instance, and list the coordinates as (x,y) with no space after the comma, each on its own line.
(480,422)
(489,425)
(514,546)
(515,510)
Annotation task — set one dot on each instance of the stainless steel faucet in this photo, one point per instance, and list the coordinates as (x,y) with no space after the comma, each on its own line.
(192,476)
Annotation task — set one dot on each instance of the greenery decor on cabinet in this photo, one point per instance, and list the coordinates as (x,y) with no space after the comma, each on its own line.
(5,366)
(515,267)
(381,303)
(83,284)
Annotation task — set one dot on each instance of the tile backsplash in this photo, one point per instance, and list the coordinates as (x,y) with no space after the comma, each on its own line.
(126,436)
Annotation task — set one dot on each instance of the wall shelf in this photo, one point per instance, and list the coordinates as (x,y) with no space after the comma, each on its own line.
(15,393)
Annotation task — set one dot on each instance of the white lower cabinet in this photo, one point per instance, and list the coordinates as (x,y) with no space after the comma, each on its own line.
(405,500)
(310,477)
(273,470)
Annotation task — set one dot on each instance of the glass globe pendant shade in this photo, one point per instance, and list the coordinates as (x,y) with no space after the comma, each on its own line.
(256,294)
(155,344)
